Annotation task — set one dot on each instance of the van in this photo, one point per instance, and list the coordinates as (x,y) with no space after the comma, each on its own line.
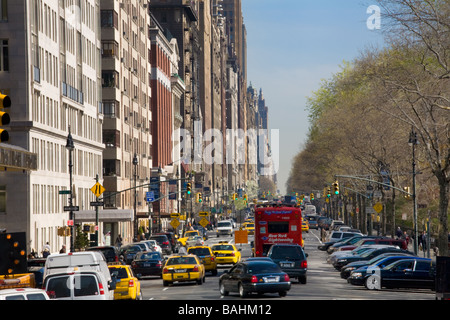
(224,227)
(23,294)
(77,261)
(79,285)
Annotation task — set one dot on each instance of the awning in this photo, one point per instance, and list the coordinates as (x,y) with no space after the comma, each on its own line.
(106,215)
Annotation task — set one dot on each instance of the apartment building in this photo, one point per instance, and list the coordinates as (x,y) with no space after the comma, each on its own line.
(127,131)
(52,49)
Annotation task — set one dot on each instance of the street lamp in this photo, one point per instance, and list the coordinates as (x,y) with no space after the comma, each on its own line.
(413,142)
(135,163)
(70,146)
(159,213)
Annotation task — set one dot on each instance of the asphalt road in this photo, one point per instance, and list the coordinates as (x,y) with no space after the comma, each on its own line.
(324,283)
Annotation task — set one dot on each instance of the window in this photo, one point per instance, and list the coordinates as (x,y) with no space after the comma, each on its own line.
(278,226)
(3,10)
(110,79)
(85,285)
(109,19)
(4,55)
(2,199)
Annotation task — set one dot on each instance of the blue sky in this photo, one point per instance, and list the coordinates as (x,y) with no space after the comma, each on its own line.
(291,46)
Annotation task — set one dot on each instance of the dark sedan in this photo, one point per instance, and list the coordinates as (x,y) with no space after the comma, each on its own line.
(254,276)
(418,273)
(358,275)
(339,263)
(347,269)
(128,252)
(148,263)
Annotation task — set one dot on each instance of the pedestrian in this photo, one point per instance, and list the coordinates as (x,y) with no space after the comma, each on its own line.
(405,237)
(63,249)
(398,233)
(424,242)
(119,241)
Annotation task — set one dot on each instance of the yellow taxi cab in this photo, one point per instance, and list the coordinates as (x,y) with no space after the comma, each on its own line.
(187,234)
(183,268)
(206,256)
(226,253)
(127,285)
(250,227)
(305,226)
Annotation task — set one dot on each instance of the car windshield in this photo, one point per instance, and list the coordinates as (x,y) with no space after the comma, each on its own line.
(133,249)
(223,247)
(249,225)
(258,268)
(149,256)
(181,260)
(224,224)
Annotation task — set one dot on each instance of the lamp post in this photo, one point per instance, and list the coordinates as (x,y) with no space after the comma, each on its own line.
(135,163)
(413,142)
(159,213)
(70,146)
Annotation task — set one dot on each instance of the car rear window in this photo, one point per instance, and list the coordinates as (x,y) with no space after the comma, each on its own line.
(257,268)
(222,247)
(181,260)
(58,287)
(284,252)
(199,251)
(85,285)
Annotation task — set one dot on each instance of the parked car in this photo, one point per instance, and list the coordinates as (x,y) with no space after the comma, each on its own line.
(401,243)
(345,242)
(419,273)
(206,255)
(365,256)
(128,252)
(336,224)
(148,263)
(163,242)
(128,286)
(336,236)
(324,222)
(291,258)
(379,261)
(23,294)
(359,274)
(111,253)
(254,276)
(153,245)
(172,239)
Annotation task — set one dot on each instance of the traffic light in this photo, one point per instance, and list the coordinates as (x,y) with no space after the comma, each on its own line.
(336,187)
(5,102)
(234,196)
(188,188)
(199,197)
(311,197)
(328,192)
(245,197)
(408,192)
(13,255)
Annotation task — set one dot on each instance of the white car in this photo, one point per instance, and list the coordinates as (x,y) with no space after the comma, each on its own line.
(195,241)
(152,244)
(224,227)
(340,254)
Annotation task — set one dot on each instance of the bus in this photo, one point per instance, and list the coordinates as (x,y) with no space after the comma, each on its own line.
(276,223)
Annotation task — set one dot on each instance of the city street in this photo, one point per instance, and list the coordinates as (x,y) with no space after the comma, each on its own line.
(324,283)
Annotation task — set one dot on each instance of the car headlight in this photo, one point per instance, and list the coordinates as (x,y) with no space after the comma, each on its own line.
(342,260)
(356,275)
(350,268)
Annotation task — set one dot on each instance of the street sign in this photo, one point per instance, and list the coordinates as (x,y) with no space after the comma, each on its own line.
(241,236)
(71,208)
(150,196)
(204,222)
(64,192)
(175,215)
(175,223)
(70,223)
(203,214)
(97,203)
(97,189)
(378,207)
